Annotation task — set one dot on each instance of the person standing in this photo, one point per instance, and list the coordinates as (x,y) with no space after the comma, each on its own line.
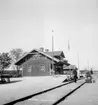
(75,75)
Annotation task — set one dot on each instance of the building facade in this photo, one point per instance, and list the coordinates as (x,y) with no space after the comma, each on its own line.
(38,63)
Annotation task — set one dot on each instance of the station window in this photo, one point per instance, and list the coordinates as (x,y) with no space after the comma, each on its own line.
(29,68)
(42,68)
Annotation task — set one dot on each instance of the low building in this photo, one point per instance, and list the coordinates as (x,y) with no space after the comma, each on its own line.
(69,69)
(40,63)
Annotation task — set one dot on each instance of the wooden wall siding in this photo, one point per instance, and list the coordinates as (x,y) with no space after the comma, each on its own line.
(33,67)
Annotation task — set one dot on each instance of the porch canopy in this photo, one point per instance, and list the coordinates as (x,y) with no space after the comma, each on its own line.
(70,67)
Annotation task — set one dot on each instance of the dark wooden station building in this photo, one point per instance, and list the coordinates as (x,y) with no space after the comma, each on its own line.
(40,63)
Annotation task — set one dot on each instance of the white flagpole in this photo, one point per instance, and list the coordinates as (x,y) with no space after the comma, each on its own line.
(52,52)
(68,45)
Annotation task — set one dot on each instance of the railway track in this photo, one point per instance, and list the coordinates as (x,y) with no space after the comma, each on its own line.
(52,96)
(66,95)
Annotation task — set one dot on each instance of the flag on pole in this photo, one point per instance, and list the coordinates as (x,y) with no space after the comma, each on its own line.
(68,45)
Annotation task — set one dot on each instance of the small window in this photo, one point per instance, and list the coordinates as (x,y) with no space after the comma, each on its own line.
(29,68)
(42,68)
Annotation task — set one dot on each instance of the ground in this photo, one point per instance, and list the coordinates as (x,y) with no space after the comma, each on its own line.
(21,87)
(86,95)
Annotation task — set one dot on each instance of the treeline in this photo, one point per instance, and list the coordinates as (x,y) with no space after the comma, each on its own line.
(12,73)
(7,59)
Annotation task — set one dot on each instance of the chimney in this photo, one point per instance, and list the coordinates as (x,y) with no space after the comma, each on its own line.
(46,50)
(41,49)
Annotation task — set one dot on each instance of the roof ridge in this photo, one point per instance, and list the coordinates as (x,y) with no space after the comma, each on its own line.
(54,51)
(43,53)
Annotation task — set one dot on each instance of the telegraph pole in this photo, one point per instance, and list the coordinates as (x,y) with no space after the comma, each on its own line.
(78,61)
(88,64)
(78,65)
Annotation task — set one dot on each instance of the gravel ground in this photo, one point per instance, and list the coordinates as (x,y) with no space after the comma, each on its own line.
(86,95)
(51,97)
(27,86)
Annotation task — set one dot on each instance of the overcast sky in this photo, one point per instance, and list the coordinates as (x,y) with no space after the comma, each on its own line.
(28,24)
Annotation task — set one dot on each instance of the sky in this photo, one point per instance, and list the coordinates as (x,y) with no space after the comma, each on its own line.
(28,24)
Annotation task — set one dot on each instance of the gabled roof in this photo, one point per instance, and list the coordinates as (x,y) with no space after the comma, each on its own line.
(32,53)
(56,53)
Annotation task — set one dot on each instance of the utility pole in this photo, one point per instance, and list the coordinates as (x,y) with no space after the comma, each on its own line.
(78,60)
(88,64)
(78,65)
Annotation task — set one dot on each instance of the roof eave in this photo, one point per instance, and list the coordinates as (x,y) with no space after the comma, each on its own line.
(54,59)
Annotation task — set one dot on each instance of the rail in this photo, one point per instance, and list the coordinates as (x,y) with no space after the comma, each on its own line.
(36,94)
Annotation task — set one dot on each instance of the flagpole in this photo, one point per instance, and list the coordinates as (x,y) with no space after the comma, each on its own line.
(52,52)
(68,54)
(68,45)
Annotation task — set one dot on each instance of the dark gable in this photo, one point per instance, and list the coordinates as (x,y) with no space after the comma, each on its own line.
(35,53)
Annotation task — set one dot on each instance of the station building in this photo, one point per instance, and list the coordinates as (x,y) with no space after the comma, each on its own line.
(40,63)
